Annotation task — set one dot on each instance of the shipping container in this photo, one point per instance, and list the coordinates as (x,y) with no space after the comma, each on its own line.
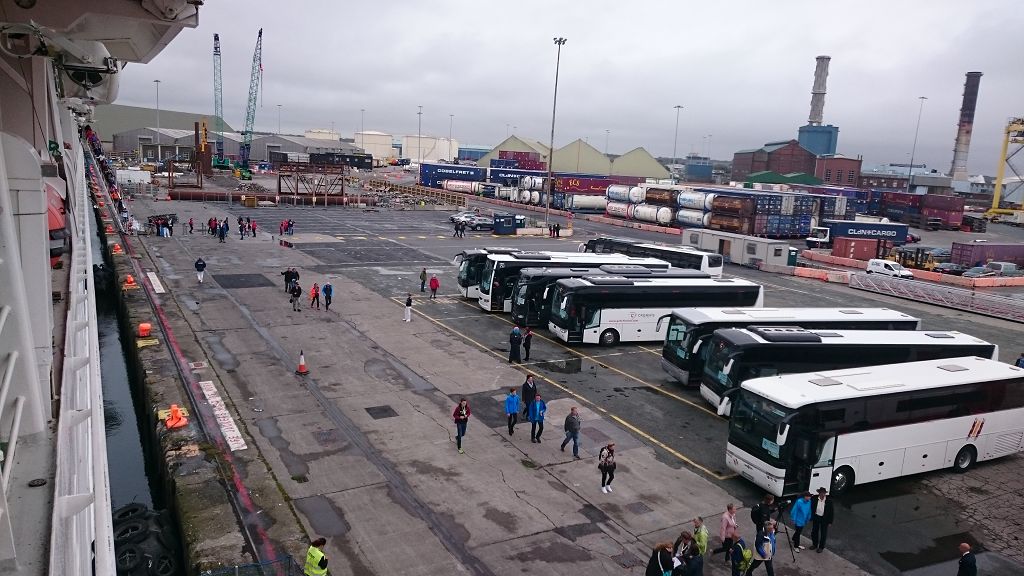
(503,163)
(660,196)
(980,253)
(637,195)
(693,218)
(727,223)
(951,219)
(439,172)
(510,176)
(577,185)
(940,202)
(860,248)
(732,205)
(618,193)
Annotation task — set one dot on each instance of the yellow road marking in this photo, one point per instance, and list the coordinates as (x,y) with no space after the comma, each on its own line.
(401,237)
(359,237)
(422,237)
(583,399)
(612,368)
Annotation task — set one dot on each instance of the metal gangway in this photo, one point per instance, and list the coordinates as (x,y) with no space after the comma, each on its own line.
(948,296)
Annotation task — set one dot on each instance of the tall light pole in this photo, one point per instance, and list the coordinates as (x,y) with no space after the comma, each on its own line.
(278,118)
(708,153)
(419,134)
(551,149)
(913,149)
(451,126)
(157,82)
(362,128)
(675,139)
(508,130)
(607,135)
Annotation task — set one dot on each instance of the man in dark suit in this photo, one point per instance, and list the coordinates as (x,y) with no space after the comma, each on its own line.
(822,515)
(968,563)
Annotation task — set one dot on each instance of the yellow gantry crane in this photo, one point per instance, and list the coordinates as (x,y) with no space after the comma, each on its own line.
(1013,136)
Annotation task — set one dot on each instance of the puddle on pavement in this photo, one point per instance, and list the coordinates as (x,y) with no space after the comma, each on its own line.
(220,353)
(572,365)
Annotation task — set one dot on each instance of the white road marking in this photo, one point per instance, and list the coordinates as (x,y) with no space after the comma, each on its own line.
(224,420)
(158,286)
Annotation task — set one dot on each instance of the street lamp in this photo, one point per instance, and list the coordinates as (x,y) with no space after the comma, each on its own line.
(278,118)
(362,128)
(607,135)
(419,134)
(451,125)
(157,82)
(708,152)
(913,150)
(551,149)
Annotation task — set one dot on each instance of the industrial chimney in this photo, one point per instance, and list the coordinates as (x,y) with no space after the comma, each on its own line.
(818,91)
(963,130)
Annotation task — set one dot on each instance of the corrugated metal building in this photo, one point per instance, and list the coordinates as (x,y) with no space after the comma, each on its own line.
(640,164)
(116,118)
(142,142)
(262,146)
(579,157)
(377,144)
(513,144)
(429,148)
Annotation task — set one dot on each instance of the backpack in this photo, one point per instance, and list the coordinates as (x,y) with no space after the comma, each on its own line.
(746,558)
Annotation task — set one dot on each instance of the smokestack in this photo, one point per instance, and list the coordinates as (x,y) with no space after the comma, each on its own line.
(963,130)
(818,91)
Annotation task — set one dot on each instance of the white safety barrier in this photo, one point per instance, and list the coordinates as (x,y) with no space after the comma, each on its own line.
(958,298)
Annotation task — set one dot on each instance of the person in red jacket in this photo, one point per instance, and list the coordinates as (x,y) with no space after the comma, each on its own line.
(461,416)
(314,296)
(434,285)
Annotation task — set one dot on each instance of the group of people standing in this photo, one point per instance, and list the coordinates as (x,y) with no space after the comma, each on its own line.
(246,227)
(519,342)
(286,226)
(218,228)
(460,229)
(434,283)
(554,230)
(294,291)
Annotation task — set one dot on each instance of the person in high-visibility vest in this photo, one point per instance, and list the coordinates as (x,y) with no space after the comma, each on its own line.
(316,561)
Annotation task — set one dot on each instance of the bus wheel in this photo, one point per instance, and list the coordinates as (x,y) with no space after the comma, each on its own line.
(965,459)
(842,480)
(609,337)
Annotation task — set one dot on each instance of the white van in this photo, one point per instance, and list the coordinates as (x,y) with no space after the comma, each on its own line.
(888,268)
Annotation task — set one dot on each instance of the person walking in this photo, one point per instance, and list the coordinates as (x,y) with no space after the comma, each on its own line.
(527,342)
(223,234)
(684,547)
(968,564)
(537,410)
(726,528)
(291,227)
(314,296)
(287,279)
(328,291)
(700,535)
(606,464)
(800,513)
(515,340)
(316,561)
(740,557)
(821,519)
(512,409)
(408,307)
(296,296)
(1020,361)
(529,393)
(191,225)
(462,228)
(572,426)
(558,230)
(434,285)
(764,549)
(551,230)
(660,563)
(461,416)
(200,269)
(456,228)
(423,280)
(762,512)
(280,228)
(253,228)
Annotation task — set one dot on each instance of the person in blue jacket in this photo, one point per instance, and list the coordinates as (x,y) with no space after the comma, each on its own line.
(735,553)
(512,409)
(536,415)
(764,549)
(800,513)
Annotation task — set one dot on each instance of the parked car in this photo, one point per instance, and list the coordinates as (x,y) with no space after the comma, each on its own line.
(913,238)
(1005,268)
(480,223)
(940,253)
(950,268)
(979,272)
(888,268)
(460,216)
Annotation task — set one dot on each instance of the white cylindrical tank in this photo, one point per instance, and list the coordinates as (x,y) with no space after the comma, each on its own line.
(617,193)
(508,193)
(458,186)
(524,196)
(618,209)
(695,200)
(532,182)
(656,214)
(535,197)
(693,218)
(814,221)
(637,195)
(585,202)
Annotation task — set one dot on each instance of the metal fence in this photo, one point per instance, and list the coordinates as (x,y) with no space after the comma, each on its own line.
(958,298)
(285,566)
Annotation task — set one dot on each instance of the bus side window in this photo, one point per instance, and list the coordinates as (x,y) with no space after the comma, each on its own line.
(593,317)
(826,452)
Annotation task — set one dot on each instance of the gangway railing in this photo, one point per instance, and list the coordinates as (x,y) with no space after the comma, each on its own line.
(81,524)
(959,298)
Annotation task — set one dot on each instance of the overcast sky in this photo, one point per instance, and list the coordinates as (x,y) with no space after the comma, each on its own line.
(741,69)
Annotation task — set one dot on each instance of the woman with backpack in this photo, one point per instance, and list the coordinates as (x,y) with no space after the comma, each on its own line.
(660,563)
(606,464)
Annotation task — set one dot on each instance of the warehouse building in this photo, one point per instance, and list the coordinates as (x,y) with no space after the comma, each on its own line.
(262,146)
(579,157)
(471,153)
(783,157)
(141,143)
(377,144)
(117,118)
(429,148)
(838,170)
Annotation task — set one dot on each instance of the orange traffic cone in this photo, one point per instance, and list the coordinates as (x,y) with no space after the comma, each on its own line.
(175,419)
(129,282)
(100,203)
(302,370)
(109,229)
(117,250)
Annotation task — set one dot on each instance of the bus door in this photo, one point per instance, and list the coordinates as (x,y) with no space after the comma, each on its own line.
(810,462)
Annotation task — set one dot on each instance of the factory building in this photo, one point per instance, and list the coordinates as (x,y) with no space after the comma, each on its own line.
(377,144)
(116,118)
(838,170)
(780,157)
(579,157)
(141,143)
(262,146)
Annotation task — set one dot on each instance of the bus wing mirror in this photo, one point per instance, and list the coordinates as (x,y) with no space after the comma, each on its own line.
(545,296)
(697,345)
(783,433)
(582,247)
(728,366)
(661,321)
(725,406)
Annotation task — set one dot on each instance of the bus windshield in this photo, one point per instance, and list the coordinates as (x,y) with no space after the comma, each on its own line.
(718,355)
(521,291)
(754,427)
(487,277)
(677,339)
(468,273)
(560,308)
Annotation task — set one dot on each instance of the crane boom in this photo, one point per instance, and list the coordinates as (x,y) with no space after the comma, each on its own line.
(250,111)
(218,106)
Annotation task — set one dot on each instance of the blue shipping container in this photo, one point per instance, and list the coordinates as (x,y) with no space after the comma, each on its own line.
(437,172)
(503,163)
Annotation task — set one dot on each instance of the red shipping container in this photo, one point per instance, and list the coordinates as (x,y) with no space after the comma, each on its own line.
(732,205)
(581,185)
(859,248)
(949,217)
(505,155)
(942,202)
